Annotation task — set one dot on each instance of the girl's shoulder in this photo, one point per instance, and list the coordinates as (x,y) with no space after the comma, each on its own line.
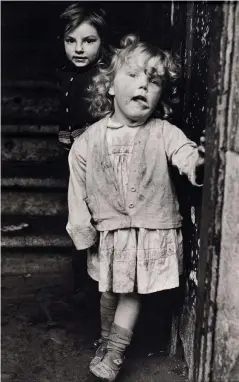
(158,122)
(163,128)
(94,129)
(163,124)
(97,126)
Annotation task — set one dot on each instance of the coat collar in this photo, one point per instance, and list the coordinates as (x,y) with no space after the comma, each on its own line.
(116,125)
(113,124)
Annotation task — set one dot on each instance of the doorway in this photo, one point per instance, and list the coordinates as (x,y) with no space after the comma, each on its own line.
(35,246)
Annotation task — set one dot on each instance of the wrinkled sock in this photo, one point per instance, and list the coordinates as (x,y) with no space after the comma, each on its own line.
(107,313)
(119,339)
(110,365)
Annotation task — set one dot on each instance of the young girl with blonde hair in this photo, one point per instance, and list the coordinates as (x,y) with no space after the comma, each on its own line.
(120,188)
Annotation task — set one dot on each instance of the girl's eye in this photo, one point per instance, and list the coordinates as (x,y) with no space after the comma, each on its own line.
(155,81)
(90,41)
(132,74)
(69,40)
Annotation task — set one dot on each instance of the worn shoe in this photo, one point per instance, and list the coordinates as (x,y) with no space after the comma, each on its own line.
(101,345)
(109,367)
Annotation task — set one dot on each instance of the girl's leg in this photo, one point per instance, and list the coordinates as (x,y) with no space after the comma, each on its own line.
(108,305)
(120,337)
(127,311)
(126,316)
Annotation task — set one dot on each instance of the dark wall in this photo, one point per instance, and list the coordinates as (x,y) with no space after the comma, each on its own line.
(30,47)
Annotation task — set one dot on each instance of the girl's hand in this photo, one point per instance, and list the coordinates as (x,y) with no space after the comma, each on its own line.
(201,159)
(201,150)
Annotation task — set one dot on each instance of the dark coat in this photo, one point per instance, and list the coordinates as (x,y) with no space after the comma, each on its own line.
(74,113)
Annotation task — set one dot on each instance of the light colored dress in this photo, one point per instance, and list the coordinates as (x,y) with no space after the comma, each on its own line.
(134,259)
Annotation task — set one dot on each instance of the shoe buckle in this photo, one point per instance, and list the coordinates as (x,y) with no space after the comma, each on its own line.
(97,343)
(118,362)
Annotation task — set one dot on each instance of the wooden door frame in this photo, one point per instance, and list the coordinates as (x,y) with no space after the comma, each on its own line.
(210,31)
(218,108)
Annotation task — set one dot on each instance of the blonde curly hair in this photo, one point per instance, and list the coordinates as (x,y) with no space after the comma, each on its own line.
(165,65)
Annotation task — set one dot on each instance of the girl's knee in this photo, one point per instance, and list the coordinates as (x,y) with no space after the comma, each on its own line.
(133,295)
(110,295)
(130,296)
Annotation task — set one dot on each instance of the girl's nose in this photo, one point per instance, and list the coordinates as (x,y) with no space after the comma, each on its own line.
(143,81)
(78,47)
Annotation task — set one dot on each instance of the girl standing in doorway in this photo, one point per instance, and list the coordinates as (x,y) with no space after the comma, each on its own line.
(120,187)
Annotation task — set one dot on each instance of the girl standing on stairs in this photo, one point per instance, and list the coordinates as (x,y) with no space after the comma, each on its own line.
(85,48)
(120,186)
(85,40)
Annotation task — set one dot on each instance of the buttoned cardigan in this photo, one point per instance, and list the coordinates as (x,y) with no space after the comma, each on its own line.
(94,200)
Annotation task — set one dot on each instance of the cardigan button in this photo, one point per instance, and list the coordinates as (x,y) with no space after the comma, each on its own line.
(133,189)
(67,110)
(66,94)
(131,205)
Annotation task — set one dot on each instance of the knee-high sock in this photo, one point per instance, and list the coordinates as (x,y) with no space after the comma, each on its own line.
(119,339)
(108,305)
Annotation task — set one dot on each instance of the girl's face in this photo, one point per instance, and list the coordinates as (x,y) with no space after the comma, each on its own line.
(136,89)
(82,45)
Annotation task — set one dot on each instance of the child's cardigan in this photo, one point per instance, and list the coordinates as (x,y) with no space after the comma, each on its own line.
(95,203)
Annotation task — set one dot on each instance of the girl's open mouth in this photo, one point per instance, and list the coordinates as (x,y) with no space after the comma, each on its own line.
(140,99)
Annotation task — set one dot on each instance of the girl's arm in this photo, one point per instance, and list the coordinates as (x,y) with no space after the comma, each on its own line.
(79,226)
(184,153)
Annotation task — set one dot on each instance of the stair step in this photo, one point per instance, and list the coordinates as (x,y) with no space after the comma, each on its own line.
(29,104)
(28,130)
(31,263)
(33,84)
(24,287)
(35,182)
(33,225)
(21,231)
(40,202)
(41,242)
(36,170)
(31,148)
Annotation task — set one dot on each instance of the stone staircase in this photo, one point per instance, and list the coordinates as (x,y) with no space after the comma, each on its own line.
(35,245)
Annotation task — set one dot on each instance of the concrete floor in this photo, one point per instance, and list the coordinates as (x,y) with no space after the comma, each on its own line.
(45,340)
